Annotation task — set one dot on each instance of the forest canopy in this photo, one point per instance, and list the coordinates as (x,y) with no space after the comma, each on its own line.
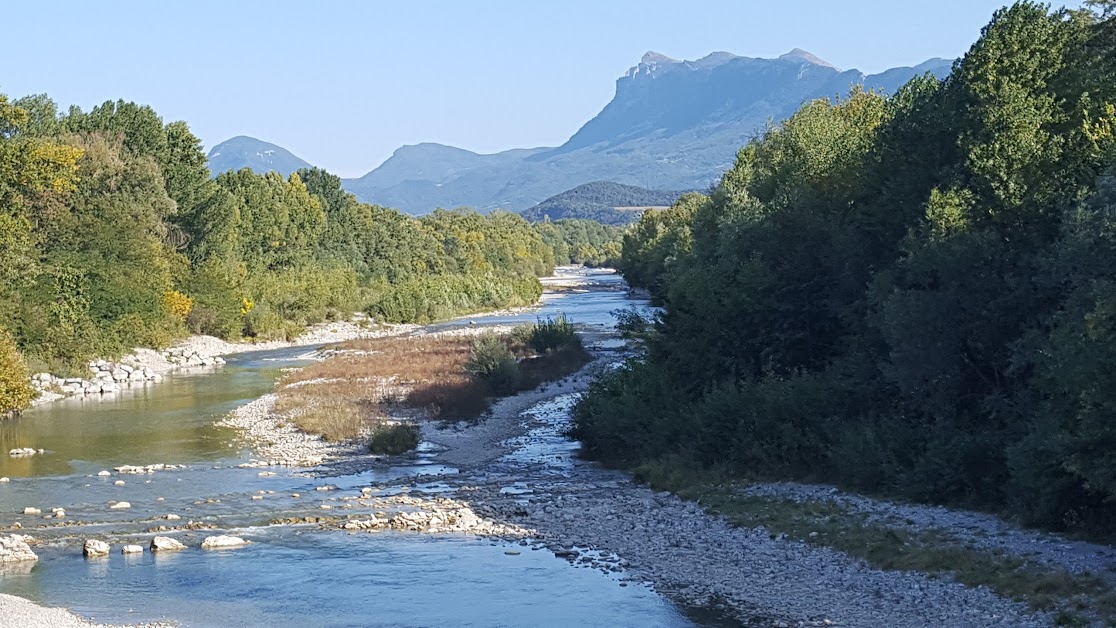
(113,234)
(913,295)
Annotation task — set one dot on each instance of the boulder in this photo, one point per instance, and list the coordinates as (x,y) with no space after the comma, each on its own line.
(165,544)
(120,506)
(131,549)
(173,517)
(14,548)
(5,480)
(22,451)
(222,541)
(104,473)
(94,548)
(110,387)
(30,510)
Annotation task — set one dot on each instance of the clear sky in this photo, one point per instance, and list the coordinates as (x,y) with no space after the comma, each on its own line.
(343,84)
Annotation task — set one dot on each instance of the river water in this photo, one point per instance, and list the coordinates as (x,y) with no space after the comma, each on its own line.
(289,575)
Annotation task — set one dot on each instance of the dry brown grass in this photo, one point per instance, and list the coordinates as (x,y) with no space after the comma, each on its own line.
(350,394)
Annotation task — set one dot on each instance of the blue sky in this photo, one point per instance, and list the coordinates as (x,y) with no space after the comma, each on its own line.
(343,84)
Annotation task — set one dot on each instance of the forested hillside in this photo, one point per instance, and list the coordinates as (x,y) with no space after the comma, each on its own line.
(912,295)
(113,235)
(598,201)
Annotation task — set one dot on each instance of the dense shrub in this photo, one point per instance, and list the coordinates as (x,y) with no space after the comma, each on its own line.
(394,439)
(16,392)
(492,362)
(550,334)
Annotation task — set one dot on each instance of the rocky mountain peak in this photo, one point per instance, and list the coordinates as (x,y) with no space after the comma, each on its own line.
(799,54)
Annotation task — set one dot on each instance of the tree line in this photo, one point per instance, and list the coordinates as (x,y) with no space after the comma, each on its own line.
(113,234)
(912,294)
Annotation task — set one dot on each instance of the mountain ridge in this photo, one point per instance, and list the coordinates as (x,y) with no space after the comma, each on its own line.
(671,124)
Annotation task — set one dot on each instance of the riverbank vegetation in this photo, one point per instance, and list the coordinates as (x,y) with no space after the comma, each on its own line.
(114,235)
(369,384)
(911,295)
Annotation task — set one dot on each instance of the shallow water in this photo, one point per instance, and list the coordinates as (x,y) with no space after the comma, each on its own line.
(289,575)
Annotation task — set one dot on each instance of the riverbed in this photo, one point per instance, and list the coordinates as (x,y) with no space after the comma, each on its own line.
(307,575)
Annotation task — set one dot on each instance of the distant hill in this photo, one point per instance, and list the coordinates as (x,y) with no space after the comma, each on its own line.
(672,124)
(248,152)
(602,201)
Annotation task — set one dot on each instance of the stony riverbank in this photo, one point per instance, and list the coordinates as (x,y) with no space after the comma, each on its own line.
(145,366)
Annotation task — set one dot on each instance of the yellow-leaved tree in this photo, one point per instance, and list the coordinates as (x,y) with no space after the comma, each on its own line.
(16,392)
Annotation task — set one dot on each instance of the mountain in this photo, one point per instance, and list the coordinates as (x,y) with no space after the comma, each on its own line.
(603,201)
(671,124)
(248,152)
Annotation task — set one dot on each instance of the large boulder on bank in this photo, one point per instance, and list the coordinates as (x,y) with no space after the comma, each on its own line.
(14,548)
(94,548)
(222,541)
(165,544)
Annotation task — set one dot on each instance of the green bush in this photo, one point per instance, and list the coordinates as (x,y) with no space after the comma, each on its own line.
(493,363)
(551,333)
(392,440)
(16,392)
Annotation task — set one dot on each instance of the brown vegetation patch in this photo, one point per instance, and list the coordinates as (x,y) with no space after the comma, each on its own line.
(352,394)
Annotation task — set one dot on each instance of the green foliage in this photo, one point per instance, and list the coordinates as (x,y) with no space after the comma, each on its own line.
(16,392)
(581,241)
(439,297)
(598,202)
(550,334)
(912,295)
(492,362)
(392,440)
(105,213)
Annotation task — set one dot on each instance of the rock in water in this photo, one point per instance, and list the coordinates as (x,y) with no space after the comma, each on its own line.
(94,548)
(131,549)
(14,548)
(222,541)
(165,544)
(31,510)
(120,506)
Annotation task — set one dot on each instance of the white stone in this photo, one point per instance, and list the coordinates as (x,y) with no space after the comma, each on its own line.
(22,451)
(4,479)
(93,548)
(14,548)
(109,387)
(173,517)
(131,549)
(119,482)
(222,541)
(31,510)
(165,544)
(104,473)
(120,506)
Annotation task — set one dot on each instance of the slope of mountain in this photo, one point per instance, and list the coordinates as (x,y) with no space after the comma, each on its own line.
(603,201)
(248,152)
(672,124)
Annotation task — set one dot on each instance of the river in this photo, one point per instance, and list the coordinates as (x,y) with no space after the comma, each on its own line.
(289,575)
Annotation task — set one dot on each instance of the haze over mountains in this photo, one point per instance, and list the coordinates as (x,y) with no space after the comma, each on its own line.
(672,125)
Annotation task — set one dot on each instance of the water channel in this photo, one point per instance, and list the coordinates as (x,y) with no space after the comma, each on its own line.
(289,575)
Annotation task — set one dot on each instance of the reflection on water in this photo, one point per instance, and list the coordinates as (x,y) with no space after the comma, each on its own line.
(167,422)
